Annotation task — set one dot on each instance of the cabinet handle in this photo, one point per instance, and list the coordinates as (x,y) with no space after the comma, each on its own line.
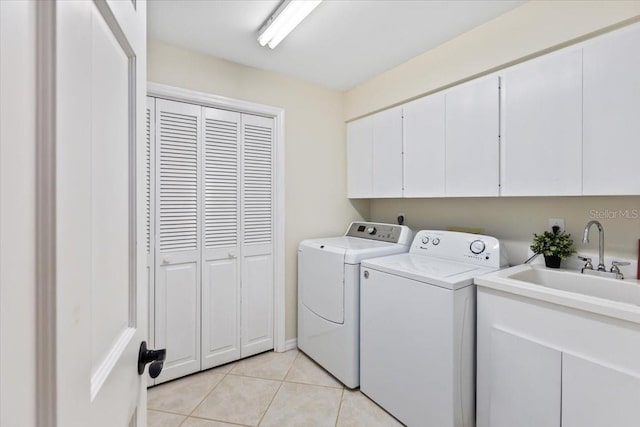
(166,260)
(232,254)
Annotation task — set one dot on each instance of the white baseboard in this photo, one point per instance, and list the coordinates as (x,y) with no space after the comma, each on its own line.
(291,344)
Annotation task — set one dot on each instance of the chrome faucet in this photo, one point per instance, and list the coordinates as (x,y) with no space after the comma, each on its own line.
(585,240)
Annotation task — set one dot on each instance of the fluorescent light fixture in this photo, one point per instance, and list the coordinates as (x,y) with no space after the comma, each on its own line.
(288,15)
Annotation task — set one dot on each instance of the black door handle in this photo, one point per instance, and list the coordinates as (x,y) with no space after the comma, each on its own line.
(155,357)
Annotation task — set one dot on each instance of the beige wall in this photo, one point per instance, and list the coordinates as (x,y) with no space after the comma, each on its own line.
(517,218)
(529,30)
(315,155)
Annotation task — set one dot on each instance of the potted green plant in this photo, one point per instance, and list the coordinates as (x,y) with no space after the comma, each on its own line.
(555,245)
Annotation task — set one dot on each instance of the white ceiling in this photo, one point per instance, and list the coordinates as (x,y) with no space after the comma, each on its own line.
(341,44)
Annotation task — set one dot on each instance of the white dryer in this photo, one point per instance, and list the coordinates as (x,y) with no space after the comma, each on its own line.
(329,293)
(418,327)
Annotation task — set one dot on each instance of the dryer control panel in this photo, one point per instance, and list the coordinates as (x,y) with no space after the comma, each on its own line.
(468,248)
(391,233)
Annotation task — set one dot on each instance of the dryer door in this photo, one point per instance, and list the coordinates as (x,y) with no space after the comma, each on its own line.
(322,280)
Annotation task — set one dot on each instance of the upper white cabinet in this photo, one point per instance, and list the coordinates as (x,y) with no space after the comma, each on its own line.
(472,139)
(563,124)
(387,153)
(424,146)
(374,155)
(542,127)
(612,114)
(359,157)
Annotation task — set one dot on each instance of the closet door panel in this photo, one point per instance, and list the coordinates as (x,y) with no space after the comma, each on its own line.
(177,251)
(221,225)
(257,234)
(257,303)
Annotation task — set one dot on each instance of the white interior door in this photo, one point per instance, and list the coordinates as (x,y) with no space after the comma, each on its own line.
(221,246)
(257,234)
(177,280)
(149,200)
(100,255)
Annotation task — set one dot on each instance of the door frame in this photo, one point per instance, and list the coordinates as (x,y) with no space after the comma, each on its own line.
(215,101)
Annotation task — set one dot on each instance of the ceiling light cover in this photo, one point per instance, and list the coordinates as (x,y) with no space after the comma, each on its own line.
(284,20)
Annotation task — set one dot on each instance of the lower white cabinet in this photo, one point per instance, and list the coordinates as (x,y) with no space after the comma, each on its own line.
(524,382)
(213,235)
(540,364)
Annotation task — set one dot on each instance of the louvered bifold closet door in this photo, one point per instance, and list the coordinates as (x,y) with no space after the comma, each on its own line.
(257,227)
(149,219)
(177,296)
(221,233)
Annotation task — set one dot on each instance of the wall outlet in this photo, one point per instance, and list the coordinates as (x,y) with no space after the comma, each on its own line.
(556,221)
(404,218)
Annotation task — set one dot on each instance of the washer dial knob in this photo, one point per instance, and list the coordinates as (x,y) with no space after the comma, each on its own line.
(425,240)
(371,230)
(435,241)
(477,247)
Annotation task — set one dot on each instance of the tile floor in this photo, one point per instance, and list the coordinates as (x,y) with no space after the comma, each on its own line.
(270,389)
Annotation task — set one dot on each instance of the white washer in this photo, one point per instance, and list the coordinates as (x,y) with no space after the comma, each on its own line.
(418,327)
(329,293)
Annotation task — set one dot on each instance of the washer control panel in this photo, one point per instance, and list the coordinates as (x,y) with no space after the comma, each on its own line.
(391,233)
(461,247)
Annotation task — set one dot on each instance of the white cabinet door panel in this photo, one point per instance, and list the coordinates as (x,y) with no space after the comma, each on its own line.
(257,302)
(524,382)
(221,245)
(178,319)
(387,153)
(257,226)
(612,114)
(424,147)
(220,312)
(178,169)
(472,138)
(542,127)
(359,158)
(595,395)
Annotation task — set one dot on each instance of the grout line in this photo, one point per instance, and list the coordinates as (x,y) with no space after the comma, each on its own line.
(339,387)
(226,422)
(209,393)
(270,403)
(339,407)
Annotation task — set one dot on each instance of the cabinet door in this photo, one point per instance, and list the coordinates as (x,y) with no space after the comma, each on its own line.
(177,296)
(221,226)
(612,114)
(524,382)
(542,127)
(424,147)
(387,153)
(257,225)
(359,158)
(595,395)
(472,139)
